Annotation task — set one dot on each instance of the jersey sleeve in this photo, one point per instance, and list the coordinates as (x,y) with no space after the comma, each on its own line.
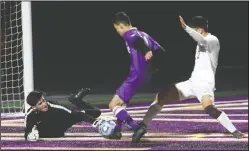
(30,120)
(213,43)
(210,42)
(196,36)
(140,45)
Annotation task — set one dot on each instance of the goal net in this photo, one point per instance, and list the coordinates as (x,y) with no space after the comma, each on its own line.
(13,55)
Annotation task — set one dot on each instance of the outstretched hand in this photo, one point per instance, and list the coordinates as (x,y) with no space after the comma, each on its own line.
(148,55)
(182,22)
(33,135)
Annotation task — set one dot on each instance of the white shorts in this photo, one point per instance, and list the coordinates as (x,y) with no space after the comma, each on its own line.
(188,89)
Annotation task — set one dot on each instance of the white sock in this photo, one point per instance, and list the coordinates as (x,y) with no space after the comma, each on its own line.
(224,120)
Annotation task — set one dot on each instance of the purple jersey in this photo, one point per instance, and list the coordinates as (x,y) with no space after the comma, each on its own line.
(138,61)
(138,69)
(133,34)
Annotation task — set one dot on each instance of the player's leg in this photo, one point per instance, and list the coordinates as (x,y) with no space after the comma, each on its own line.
(118,107)
(89,109)
(79,95)
(178,91)
(93,112)
(75,117)
(207,101)
(122,97)
(76,99)
(162,98)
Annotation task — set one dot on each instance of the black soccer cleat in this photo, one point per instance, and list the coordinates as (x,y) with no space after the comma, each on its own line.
(115,135)
(80,95)
(139,132)
(239,135)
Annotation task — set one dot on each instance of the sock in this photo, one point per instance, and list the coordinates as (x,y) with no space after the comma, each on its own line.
(119,123)
(224,120)
(82,116)
(123,116)
(131,123)
(93,112)
(153,110)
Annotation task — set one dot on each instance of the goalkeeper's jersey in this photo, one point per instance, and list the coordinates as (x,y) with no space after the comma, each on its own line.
(47,121)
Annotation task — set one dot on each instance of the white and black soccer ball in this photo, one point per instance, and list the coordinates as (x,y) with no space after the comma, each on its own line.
(106,127)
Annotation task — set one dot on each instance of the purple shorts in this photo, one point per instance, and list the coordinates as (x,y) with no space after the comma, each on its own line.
(128,89)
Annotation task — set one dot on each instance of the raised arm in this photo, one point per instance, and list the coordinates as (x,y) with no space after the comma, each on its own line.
(194,34)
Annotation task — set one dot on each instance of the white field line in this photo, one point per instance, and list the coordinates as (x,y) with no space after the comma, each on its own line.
(188,104)
(68,148)
(179,109)
(139,119)
(187,139)
(20,121)
(87,134)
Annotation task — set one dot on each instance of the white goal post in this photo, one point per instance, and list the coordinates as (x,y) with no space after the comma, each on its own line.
(16,56)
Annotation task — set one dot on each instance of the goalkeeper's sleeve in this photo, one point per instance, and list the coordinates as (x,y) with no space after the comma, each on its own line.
(30,121)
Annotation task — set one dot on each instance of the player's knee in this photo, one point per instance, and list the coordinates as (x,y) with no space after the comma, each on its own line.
(213,111)
(116,101)
(113,104)
(95,113)
(168,94)
(206,101)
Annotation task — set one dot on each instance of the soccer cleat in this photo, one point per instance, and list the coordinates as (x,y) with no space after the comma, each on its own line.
(115,135)
(239,135)
(80,95)
(139,132)
(76,99)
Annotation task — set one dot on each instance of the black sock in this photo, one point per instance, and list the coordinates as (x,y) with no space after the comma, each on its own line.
(93,112)
(80,116)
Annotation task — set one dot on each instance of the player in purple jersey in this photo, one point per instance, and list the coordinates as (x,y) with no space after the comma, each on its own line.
(141,48)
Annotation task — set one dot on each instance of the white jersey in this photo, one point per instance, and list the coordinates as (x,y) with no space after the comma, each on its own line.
(206,57)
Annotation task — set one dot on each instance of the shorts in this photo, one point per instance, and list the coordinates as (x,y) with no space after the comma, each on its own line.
(126,93)
(189,89)
(129,87)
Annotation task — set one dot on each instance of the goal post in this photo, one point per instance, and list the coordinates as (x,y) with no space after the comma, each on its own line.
(28,76)
(16,56)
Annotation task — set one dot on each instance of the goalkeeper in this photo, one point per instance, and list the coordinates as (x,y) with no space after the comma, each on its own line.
(47,119)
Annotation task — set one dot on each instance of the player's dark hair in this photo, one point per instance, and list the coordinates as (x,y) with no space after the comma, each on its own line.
(34,97)
(199,22)
(121,17)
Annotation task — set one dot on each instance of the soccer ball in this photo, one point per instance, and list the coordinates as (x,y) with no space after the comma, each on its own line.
(106,127)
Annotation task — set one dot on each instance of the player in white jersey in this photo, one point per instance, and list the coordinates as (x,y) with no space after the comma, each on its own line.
(201,84)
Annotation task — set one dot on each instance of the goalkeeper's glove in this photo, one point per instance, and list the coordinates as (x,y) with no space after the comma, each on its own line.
(33,135)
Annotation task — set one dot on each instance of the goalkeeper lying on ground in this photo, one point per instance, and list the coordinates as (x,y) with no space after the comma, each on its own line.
(46,119)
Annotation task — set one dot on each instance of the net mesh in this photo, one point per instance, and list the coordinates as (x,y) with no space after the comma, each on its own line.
(12,93)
